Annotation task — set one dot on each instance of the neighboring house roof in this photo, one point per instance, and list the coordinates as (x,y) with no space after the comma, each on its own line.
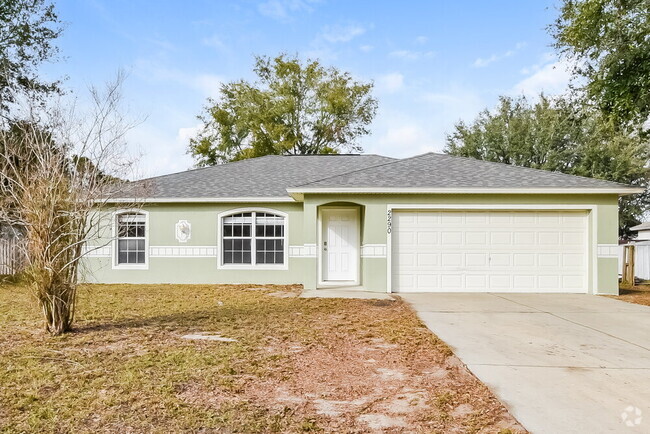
(273,176)
(642,227)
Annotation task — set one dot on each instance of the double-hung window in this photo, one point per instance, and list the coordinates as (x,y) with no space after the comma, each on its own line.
(255,238)
(131,239)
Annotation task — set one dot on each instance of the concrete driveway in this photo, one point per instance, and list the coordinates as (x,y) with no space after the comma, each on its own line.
(561,363)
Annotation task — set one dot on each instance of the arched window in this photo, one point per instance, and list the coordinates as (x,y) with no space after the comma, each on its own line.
(131,239)
(253,239)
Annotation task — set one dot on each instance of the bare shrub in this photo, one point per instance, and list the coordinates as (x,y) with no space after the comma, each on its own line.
(58,168)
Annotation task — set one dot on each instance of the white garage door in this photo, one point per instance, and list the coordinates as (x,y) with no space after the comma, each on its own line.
(489,251)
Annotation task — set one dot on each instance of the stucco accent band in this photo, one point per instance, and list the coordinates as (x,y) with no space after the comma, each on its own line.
(608,250)
(373,251)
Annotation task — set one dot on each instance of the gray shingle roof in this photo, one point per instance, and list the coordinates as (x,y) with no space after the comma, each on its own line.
(271,176)
(263,177)
(444,171)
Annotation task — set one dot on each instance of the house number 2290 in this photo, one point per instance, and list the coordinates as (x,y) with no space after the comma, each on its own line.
(389,221)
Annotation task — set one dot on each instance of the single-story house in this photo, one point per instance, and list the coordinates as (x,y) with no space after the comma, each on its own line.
(423,224)
(642,231)
(641,251)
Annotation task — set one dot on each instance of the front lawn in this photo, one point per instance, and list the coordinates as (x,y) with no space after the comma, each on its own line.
(297,365)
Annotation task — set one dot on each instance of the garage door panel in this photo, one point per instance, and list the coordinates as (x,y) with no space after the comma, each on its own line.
(548,282)
(476,259)
(428,259)
(524,218)
(523,259)
(497,238)
(476,281)
(451,218)
(478,218)
(428,281)
(452,260)
(548,260)
(573,238)
(530,251)
(476,238)
(452,282)
(451,238)
(500,259)
(573,260)
(524,238)
(524,282)
(549,219)
(548,238)
(427,238)
(572,282)
(500,282)
(406,259)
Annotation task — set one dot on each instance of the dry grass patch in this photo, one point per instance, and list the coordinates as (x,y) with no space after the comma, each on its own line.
(297,365)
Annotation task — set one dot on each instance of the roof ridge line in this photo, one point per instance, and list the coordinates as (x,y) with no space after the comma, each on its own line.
(396,160)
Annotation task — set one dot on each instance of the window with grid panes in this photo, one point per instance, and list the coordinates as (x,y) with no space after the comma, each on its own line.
(131,238)
(253,238)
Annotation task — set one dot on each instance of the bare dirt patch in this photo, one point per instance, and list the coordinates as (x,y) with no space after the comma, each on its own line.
(296,365)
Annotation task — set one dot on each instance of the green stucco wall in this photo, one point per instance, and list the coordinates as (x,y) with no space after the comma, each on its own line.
(303,230)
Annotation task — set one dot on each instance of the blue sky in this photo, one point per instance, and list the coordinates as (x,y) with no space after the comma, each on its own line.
(433,62)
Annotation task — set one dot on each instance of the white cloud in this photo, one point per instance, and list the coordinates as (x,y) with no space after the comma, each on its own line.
(483,62)
(390,83)
(161,151)
(366,48)
(543,60)
(214,41)
(416,120)
(421,40)
(339,33)
(186,133)
(208,84)
(282,9)
(411,55)
(551,78)
(153,71)
(406,140)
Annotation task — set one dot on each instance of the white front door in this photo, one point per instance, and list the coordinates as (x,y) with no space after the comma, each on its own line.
(340,245)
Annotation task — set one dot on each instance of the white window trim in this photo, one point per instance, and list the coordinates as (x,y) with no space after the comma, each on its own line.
(252,266)
(147,228)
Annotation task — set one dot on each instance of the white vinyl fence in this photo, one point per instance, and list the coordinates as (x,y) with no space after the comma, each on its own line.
(11,256)
(641,260)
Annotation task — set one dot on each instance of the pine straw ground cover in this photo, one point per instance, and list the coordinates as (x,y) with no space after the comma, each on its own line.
(639,294)
(298,365)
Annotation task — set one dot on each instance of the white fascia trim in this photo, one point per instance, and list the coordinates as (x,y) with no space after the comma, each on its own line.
(297,192)
(200,200)
(485,206)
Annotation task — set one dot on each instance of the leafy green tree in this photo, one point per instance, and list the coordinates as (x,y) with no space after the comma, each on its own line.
(28,29)
(558,135)
(293,108)
(609,40)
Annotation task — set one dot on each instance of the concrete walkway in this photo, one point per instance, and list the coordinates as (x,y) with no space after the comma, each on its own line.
(561,363)
(346,293)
